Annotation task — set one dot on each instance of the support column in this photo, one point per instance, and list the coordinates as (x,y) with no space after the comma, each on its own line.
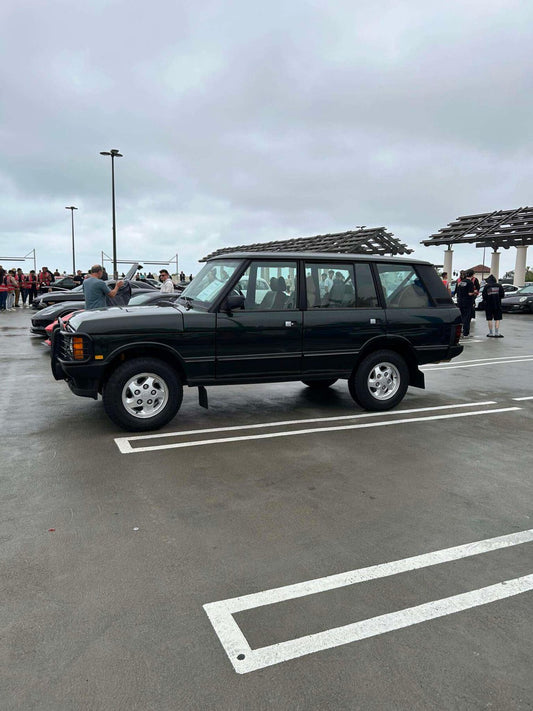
(448,261)
(495,264)
(520,265)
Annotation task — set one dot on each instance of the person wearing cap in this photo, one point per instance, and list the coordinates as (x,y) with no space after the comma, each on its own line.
(167,286)
(96,290)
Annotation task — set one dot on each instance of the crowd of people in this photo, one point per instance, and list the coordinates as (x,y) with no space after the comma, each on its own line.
(467,289)
(18,289)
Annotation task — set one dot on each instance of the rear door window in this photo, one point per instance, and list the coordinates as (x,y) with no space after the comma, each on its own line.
(340,286)
(329,286)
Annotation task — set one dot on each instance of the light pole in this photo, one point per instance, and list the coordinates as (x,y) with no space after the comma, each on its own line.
(114,153)
(72,208)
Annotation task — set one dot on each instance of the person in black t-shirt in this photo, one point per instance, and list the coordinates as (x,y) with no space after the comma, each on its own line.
(465,298)
(492,296)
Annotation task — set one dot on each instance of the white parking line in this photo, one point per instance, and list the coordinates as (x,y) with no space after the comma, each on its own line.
(244,659)
(123,443)
(487,361)
(472,364)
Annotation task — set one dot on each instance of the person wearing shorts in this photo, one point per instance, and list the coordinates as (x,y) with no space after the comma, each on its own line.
(492,296)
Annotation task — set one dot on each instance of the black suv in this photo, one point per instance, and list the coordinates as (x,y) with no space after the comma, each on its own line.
(265,317)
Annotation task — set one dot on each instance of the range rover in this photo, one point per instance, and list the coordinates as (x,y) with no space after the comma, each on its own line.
(263,317)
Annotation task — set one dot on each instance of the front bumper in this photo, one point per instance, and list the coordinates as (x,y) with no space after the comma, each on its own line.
(516,308)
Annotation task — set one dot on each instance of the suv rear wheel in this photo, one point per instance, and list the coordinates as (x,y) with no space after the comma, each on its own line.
(142,394)
(380,381)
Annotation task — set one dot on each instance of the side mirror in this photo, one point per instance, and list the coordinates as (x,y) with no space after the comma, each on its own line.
(234,302)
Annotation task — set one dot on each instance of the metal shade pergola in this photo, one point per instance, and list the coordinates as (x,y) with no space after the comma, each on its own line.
(498,229)
(501,228)
(374,240)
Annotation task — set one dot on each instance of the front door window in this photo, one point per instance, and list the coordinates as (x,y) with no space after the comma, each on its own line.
(269,286)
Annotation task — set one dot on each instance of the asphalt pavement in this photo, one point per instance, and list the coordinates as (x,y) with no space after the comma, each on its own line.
(281,550)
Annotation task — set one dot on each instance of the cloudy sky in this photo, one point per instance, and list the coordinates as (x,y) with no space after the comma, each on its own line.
(242,121)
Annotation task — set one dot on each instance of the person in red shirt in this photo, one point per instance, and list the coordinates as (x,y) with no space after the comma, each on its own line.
(45,279)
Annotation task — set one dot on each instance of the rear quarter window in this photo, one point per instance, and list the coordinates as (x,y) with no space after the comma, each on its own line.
(434,285)
(402,287)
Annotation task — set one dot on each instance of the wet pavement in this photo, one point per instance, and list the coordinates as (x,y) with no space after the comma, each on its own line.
(112,544)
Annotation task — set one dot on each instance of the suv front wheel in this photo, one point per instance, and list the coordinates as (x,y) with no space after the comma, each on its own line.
(142,394)
(380,381)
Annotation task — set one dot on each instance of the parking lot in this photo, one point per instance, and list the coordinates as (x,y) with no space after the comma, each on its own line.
(282,549)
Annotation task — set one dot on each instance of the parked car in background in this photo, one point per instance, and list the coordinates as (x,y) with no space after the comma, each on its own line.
(149,281)
(520,301)
(55,297)
(509,289)
(153,298)
(64,283)
(44,317)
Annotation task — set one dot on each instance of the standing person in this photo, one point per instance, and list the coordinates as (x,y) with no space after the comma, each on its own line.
(31,286)
(78,278)
(3,288)
(24,288)
(493,294)
(45,278)
(11,284)
(465,299)
(475,281)
(167,287)
(96,290)
(444,278)
(19,276)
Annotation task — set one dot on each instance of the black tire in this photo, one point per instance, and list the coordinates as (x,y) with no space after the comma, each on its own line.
(380,381)
(142,394)
(319,384)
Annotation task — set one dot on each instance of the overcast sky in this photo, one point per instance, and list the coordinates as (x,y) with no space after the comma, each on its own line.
(242,121)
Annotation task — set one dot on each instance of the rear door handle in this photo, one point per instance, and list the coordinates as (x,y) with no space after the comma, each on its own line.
(288,324)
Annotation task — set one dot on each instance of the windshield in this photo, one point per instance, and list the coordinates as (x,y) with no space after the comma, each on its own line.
(524,290)
(209,282)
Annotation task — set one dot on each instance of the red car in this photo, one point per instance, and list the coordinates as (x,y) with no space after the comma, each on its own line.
(55,324)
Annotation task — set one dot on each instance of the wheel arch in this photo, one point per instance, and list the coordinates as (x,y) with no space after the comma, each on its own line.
(399,345)
(145,350)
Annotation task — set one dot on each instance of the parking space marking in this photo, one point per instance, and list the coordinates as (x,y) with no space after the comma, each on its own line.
(478,363)
(308,420)
(124,446)
(529,397)
(244,659)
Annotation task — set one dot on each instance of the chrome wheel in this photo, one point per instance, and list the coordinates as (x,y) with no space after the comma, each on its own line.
(144,395)
(383,381)
(380,380)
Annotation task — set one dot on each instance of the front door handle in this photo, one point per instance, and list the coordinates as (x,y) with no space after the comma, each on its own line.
(288,324)
(376,320)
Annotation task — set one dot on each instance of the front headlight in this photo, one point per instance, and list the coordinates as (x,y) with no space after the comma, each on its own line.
(522,299)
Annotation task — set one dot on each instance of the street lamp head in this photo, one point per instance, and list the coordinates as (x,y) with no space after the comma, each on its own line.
(71,208)
(114,153)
